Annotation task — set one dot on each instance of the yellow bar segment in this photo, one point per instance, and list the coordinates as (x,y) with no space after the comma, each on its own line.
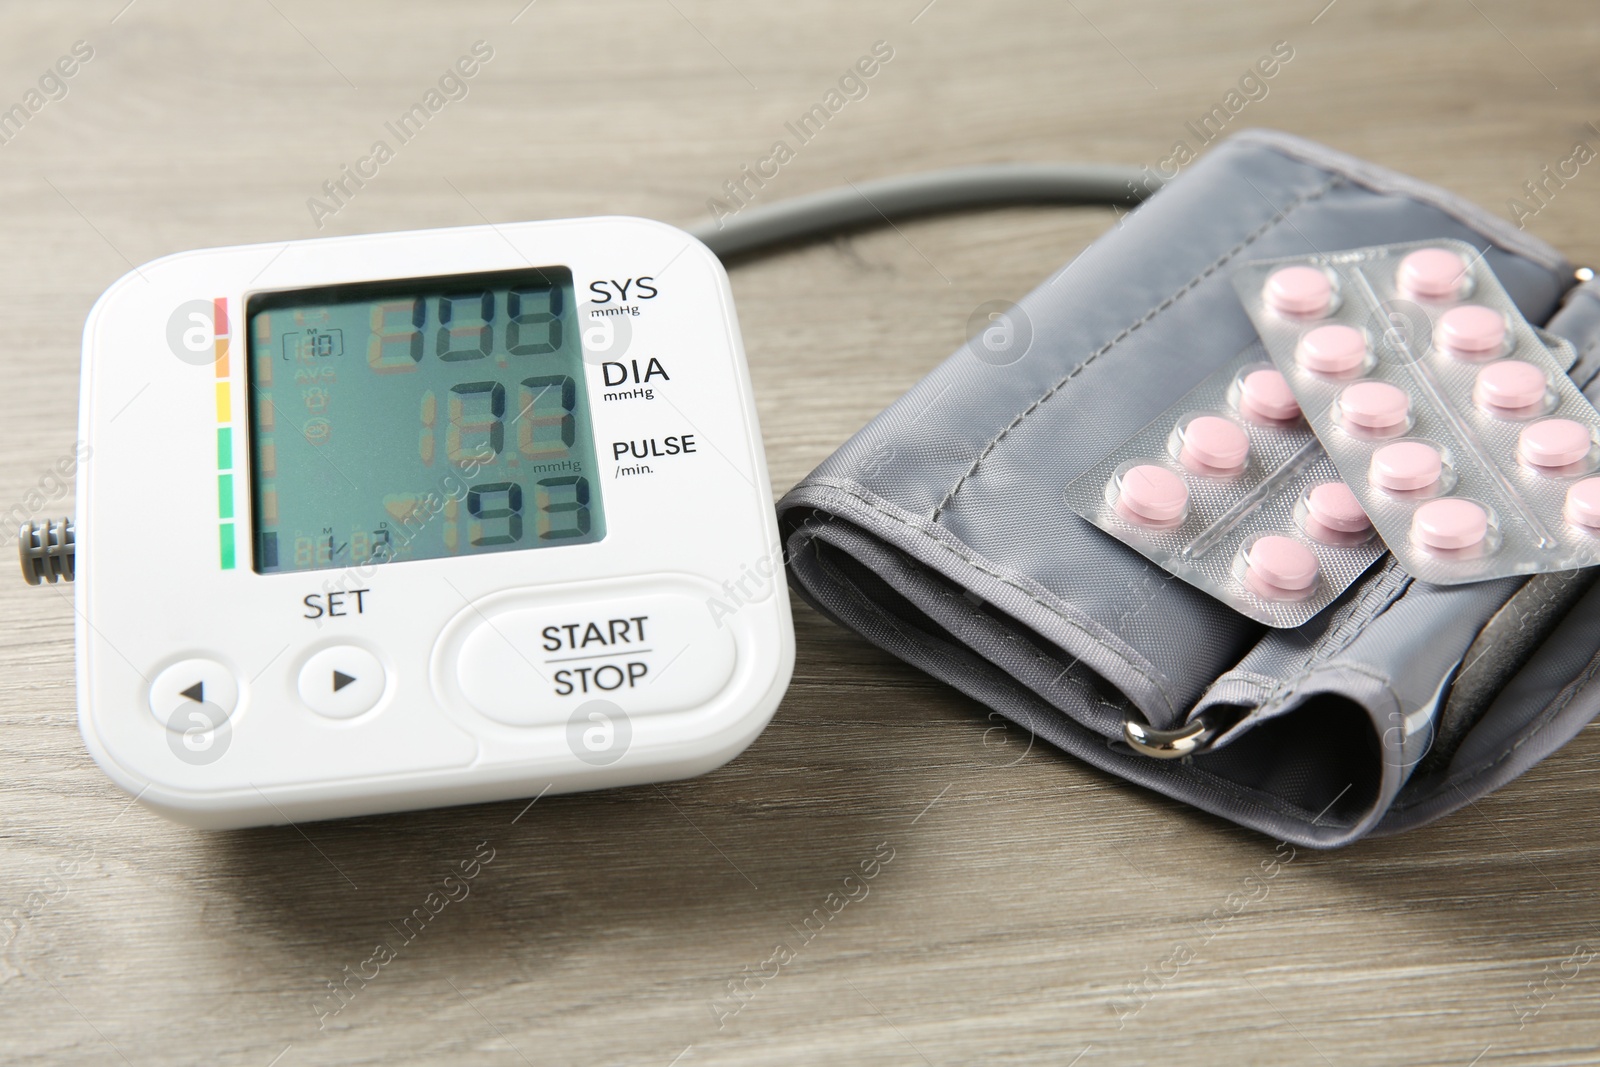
(224,403)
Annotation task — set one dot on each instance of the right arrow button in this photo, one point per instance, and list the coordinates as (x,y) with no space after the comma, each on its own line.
(342,682)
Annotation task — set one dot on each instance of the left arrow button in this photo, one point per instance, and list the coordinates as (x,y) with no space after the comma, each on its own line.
(193,681)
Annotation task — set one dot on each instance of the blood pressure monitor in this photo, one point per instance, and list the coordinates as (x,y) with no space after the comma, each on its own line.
(395,521)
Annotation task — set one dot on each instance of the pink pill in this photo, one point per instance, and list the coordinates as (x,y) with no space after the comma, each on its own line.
(1280,567)
(1405,465)
(1333,505)
(1212,443)
(1332,349)
(1554,443)
(1510,385)
(1266,394)
(1433,273)
(1471,329)
(1450,523)
(1583,504)
(1152,494)
(1298,291)
(1375,406)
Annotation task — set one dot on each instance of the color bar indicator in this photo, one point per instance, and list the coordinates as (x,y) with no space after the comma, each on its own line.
(224,407)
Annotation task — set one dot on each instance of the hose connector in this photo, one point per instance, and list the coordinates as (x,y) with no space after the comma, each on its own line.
(48,551)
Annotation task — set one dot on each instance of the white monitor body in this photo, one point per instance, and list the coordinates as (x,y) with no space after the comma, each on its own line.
(222,696)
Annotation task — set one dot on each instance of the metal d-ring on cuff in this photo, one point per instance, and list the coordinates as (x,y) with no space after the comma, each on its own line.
(1186,740)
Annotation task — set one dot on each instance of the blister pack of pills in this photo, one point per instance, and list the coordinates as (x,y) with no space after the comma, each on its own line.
(1230,491)
(1448,415)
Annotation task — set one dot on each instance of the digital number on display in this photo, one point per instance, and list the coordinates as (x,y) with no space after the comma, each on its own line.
(419,419)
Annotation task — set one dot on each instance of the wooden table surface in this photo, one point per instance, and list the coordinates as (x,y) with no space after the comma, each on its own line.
(1024,908)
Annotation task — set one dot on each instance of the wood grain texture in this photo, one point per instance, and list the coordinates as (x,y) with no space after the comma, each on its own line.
(1026,892)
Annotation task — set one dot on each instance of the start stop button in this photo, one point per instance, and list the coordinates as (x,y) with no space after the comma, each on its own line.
(530,660)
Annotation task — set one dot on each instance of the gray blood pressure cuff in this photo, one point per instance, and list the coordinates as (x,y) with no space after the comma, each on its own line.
(940,531)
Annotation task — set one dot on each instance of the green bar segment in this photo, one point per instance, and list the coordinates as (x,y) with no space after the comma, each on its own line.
(225,496)
(227,546)
(225,448)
